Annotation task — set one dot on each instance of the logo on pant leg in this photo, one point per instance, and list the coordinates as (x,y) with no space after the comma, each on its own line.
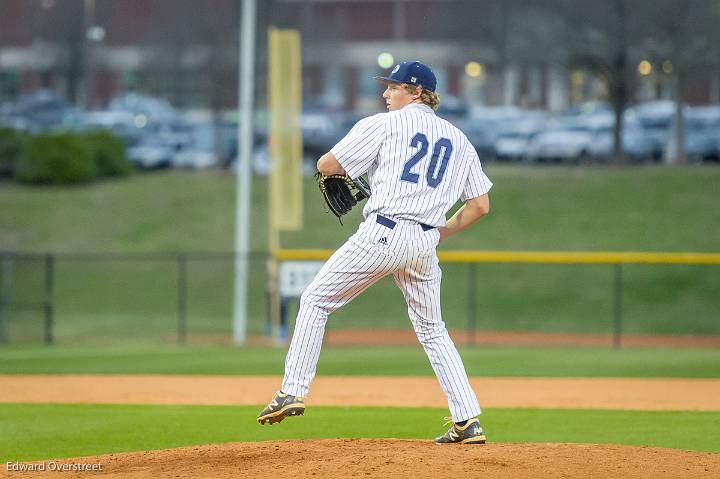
(383,241)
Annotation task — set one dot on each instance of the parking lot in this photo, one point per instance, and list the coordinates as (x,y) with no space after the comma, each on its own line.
(158,135)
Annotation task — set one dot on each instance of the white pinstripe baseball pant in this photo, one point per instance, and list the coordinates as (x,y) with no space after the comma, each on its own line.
(407,252)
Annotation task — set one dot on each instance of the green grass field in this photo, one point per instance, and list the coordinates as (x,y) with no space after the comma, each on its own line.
(50,431)
(549,208)
(45,431)
(119,317)
(533,208)
(364,361)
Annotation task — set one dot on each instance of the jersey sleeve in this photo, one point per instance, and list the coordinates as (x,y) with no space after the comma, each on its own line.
(359,149)
(477,183)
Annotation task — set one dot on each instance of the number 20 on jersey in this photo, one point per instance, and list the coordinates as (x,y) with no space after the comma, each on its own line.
(434,175)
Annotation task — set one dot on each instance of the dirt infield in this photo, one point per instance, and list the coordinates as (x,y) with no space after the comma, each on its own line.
(587,393)
(374,458)
(343,337)
(382,458)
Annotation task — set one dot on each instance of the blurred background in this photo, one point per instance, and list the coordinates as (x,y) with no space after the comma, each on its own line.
(118,145)
(161,74)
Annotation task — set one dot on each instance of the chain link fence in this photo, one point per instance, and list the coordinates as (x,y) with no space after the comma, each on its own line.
(187,297)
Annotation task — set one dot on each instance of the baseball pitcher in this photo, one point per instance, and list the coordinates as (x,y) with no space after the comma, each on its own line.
(418,166)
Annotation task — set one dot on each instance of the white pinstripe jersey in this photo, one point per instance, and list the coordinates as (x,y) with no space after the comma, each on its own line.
(419,164)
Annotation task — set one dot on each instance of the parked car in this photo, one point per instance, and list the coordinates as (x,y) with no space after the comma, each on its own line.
(513,142)
(562,142)
(200,151)
(37,111)
(635,141)
(453,109)
(120,123)
(319,131)
(484,126)
(482,136)
(152,153)
(656,118)
(10,120)
(589,108)
(512,145)
(152,108)
(701,135)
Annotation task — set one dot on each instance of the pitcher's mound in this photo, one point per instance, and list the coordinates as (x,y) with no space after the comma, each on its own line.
(384,458)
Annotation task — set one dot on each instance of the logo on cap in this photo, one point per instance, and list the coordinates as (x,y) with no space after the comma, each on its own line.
(411,72)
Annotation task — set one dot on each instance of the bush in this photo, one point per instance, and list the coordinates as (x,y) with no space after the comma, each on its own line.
(10,150)
(56,158)
(109,153)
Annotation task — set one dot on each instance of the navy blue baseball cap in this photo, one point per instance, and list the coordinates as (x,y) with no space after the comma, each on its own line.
(413,73)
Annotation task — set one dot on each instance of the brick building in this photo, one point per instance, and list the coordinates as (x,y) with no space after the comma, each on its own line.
(187,51)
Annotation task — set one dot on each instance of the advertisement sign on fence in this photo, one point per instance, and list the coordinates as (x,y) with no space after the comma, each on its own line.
(295,276)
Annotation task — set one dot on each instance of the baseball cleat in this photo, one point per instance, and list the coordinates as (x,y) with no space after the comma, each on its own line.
(470,433)
(282,406)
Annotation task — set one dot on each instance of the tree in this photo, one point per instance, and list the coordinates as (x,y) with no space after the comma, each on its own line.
(610,38)
(600,37)
(686,36)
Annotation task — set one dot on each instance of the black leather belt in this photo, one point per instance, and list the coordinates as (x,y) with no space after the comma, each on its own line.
(391,224)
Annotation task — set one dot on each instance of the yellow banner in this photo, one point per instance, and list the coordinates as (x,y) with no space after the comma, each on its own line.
(285,136)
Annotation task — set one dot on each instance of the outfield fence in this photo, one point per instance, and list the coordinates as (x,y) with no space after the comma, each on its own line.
(187,296)
(617,260)
(87,296)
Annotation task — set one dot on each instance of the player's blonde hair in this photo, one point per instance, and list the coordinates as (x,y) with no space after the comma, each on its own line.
(430,98)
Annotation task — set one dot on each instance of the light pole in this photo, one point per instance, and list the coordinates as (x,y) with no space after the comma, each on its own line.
(92,35)
(246,86)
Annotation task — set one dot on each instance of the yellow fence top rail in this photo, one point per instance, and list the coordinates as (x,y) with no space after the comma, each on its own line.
(567,257)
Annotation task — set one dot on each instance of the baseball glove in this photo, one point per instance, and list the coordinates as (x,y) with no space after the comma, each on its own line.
(341,192)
